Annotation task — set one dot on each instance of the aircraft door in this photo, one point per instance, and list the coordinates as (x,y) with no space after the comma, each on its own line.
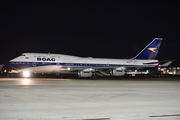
(57,63)
(135,62)
(131,62)
(34,64)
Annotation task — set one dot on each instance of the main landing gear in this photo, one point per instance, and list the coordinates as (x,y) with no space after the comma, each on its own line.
(93,77)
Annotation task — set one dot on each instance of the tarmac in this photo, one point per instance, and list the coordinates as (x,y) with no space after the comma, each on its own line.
(82,99)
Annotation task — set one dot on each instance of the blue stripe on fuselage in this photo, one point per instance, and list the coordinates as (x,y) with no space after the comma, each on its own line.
(22,65)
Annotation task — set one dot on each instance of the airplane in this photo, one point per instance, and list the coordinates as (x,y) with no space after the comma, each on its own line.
(87,67)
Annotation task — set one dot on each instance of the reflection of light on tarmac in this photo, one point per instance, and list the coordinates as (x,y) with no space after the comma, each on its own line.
(26,81)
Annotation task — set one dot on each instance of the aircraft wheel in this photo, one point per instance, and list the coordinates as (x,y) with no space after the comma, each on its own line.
(93,77)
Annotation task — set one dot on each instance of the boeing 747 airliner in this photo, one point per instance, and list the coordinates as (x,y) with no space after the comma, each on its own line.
(87,67)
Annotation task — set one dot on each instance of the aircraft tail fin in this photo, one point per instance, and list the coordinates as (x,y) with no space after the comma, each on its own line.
(150,51)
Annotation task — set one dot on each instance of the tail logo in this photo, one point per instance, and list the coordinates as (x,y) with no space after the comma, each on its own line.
(152,49)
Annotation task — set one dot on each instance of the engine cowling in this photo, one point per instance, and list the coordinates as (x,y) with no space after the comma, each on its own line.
(85,74)
(115,72)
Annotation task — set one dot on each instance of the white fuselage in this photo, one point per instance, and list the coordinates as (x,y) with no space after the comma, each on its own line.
(58,63)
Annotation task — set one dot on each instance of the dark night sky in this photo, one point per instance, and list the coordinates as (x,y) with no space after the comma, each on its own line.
(93,28)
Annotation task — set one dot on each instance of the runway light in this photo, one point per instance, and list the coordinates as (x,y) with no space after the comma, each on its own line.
(26,74)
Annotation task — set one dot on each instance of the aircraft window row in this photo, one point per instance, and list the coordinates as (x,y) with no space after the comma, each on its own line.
(29,63)
(46,63)
(45,56)
(53,56)
(20,63)
(67,64)
(40,56)
(77,64)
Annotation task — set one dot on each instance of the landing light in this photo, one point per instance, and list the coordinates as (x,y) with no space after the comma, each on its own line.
(26,74)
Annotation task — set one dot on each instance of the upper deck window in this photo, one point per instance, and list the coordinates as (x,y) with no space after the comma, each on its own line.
(53,56)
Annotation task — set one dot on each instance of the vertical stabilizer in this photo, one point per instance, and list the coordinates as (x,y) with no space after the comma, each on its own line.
(150,51)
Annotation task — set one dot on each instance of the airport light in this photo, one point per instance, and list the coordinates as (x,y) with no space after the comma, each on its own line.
(26,74)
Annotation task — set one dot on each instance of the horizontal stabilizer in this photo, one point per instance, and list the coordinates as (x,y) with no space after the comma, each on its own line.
(160,62)
(166,64)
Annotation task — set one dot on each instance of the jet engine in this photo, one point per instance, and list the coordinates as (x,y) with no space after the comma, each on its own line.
(85,74)
(116,72)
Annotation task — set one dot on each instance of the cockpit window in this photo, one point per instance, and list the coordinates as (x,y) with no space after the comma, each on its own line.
(23,55)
